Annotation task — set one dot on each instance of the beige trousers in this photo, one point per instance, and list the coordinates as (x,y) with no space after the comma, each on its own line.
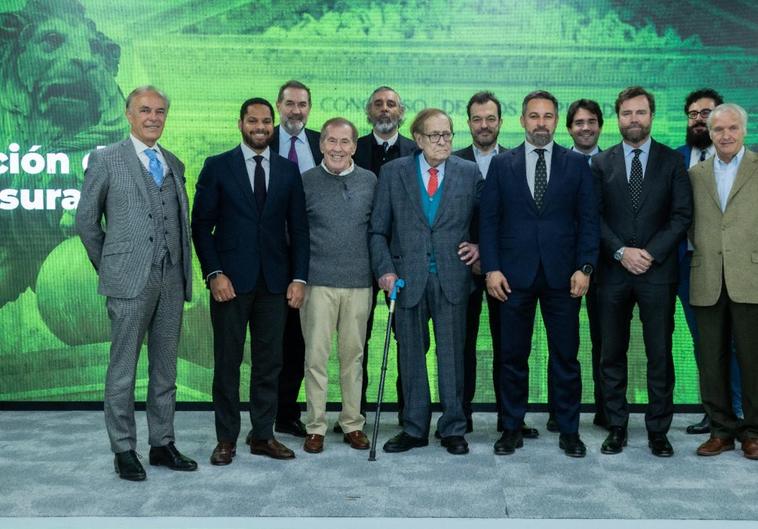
(324,311)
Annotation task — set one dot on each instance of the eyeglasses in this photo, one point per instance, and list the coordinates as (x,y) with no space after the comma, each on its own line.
(693,114)
(435,137)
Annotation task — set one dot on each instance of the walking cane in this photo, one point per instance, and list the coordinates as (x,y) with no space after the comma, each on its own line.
(399,283)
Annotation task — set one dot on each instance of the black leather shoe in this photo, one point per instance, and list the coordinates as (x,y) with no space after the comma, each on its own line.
(702,427)
(527,432)
(509,442)
(403,442)
(659,445)
(127,466)
(169,456)
(616,440)
(572,445)
(294,427)
(455,444)
(552,424)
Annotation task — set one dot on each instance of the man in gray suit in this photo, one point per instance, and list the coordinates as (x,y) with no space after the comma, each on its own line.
(143,261)
(419,231)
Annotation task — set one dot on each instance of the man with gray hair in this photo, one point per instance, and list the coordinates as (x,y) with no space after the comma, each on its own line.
(143,261)
(724,279)
(338,200)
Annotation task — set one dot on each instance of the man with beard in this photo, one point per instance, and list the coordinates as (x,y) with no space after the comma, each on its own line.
(484,120)
(584,122)
(385,112)
(539,240)
(251,236)
(646,207)
(699,147)
(299,145)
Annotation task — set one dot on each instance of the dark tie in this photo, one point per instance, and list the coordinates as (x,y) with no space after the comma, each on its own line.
(540,178)
(635,180)
(702,155)
(259,183)
(385,146)
(292,155)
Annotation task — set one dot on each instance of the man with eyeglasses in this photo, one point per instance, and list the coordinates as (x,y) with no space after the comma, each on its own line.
(699,147)
(420,231)
(484,120)
(338,200)
(539,241)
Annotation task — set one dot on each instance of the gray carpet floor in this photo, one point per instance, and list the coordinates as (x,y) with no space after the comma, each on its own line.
(59,464)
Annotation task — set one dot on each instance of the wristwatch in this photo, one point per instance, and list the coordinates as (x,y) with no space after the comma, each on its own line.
(212,275)
(587,269)
(619,253)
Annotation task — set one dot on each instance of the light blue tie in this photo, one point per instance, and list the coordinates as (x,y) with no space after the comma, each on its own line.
(155,166)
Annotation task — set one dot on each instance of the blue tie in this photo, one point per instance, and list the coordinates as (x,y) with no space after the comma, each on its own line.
(155,166)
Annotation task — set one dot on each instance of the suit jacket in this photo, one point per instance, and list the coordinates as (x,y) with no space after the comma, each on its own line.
(725,243)
(660,224)
(686,151)
(401,239)
(122,252)
(516,237)
(313,142)
(365,149)
(231,235)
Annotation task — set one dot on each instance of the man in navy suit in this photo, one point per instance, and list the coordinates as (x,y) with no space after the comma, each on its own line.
(249,202)
(539,241)
(646,207)
(698,147)
(292,140)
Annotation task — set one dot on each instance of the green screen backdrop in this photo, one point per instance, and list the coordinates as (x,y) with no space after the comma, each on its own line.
(66,65)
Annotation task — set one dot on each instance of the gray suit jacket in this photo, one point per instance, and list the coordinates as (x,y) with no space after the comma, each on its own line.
(121,249)
(401,239)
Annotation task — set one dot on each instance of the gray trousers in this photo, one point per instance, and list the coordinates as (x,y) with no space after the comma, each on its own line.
(412,328)
(157,311)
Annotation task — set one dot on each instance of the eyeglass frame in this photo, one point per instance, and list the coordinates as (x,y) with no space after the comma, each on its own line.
(693,114)
(447,135)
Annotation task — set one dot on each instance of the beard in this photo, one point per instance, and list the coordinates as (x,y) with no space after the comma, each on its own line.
(697,139)
(484,140)
(293,126)
(539,137)
(385,124)
(637,135)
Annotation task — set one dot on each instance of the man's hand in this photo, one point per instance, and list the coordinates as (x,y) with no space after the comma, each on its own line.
(636,260)
(295,294)
(387,282)
(221,288)
(497,285)
(468,252)
(580,283)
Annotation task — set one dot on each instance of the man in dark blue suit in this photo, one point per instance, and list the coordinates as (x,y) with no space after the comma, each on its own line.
(698,147)
(539,236)
(249,202)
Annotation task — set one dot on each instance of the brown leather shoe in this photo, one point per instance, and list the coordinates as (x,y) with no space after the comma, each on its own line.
(714,446)
(271,448)
(314,443)
(223,453)
(750,448)
(357,440)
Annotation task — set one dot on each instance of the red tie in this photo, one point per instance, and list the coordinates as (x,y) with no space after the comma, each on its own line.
(433,183)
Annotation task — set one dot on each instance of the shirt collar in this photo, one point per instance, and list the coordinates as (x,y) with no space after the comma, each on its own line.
(735,161)
(390,142)
(645,147)
(343,173)
(424,165)
(141,147)
(493,152)
(592,153)
(286,135)
(530,148)
(248,153)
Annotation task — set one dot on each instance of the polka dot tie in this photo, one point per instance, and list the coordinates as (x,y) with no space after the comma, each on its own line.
(635,180)
(540,178)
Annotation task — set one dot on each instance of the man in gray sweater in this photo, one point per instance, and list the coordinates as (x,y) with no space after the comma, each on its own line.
(338,199)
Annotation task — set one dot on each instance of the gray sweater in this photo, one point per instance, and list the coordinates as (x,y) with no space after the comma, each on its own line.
(339,208)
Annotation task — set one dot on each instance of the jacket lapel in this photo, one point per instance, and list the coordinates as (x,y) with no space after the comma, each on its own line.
(409,178)
(557,167)
(746,171)
(449,184)
(134,167)
(239,171)
(518,167)
(651,176)
(619,177)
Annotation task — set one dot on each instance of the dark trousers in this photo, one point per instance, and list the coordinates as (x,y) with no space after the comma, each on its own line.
(718,324)
(683,291)
(293,368)
(560,312)
(473,314)
(264,313)
(592,305)
(656,308)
